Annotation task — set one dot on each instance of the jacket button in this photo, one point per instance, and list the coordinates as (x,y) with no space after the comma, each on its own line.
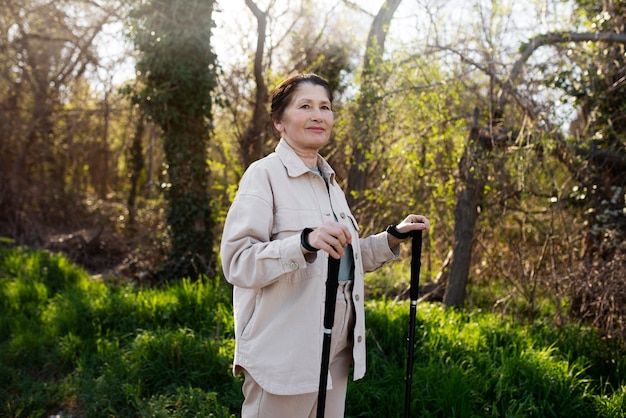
(343,215)
(359,339)
(294,265)
(356,297)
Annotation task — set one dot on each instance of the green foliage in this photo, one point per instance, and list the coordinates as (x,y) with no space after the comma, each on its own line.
(155,365)
(177,67)
(176,61)
(186,402)
(416,141)
(86,348)
(592,76)
(477,364)
(114,350)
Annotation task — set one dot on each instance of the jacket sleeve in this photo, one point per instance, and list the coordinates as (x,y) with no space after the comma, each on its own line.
(376,252)
(250,258)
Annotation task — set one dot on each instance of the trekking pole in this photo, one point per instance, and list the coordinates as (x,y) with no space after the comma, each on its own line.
(416,262)
(332,282)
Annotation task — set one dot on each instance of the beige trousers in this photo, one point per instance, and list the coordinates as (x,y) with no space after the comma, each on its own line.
(259,403)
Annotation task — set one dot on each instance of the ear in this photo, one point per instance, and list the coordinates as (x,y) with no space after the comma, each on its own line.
(279,126)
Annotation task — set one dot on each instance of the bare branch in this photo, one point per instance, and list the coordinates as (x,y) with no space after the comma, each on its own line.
(355,6)
(547,39)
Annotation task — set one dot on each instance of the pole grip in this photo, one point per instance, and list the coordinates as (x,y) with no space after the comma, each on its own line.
(416,264)
(332,283)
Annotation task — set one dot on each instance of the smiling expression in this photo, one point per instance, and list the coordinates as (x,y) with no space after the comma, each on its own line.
(308,120)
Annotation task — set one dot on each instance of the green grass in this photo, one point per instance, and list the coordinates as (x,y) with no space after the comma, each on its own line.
(476,364)
(82,347)
(71,343)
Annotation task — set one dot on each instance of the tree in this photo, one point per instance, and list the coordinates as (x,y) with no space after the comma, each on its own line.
(595,153)
(596,150)
(305,41)
(472,166)
(47,50)
(178,70)
(252,142)
(364,125)
(136,164)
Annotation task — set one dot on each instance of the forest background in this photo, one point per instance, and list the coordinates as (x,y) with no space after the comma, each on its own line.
(125,127)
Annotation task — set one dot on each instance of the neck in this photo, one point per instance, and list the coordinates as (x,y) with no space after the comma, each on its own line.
(309,161)
(307,155)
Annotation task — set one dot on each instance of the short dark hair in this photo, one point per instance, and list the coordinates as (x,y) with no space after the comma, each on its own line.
(281,95)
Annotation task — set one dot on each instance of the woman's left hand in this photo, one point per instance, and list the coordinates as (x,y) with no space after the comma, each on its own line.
(413,223)
(409,224)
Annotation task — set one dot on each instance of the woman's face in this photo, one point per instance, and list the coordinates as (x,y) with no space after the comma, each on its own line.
(308,119)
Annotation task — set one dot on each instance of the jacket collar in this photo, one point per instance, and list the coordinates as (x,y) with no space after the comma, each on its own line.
(296,167)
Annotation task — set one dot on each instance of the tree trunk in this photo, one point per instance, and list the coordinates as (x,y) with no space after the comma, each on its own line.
(366,113)
(135,166)
(469,196)
(102,185)
(472,183)
(150,184)
(251,143)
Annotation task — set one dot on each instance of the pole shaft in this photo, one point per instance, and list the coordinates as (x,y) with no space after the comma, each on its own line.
(332,283)
(416,263)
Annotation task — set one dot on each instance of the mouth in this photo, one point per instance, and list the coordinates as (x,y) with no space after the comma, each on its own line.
(317,130)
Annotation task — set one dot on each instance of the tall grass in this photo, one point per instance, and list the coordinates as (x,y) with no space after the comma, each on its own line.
(80,347)
(476,364)
(70,343)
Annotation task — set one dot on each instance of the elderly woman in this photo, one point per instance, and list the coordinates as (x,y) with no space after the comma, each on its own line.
(288,217)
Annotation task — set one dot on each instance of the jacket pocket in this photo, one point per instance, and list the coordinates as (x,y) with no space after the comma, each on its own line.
(249,325)
(289,221)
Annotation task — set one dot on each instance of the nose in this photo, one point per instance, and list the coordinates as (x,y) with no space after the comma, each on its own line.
(316,115)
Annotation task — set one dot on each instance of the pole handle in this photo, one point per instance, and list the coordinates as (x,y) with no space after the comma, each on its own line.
(332,283)
(416,264)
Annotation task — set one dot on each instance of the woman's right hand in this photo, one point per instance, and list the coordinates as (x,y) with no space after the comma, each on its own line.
(331,237)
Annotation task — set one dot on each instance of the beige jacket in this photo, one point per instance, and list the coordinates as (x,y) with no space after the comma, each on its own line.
(278,296)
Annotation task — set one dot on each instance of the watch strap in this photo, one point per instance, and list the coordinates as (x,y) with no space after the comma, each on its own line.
(304,240)
(391,229)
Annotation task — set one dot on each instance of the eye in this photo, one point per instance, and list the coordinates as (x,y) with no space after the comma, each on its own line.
(304,106)
(326,108)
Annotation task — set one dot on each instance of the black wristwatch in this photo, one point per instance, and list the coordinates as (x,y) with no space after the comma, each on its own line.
(304,240)
(391,229)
